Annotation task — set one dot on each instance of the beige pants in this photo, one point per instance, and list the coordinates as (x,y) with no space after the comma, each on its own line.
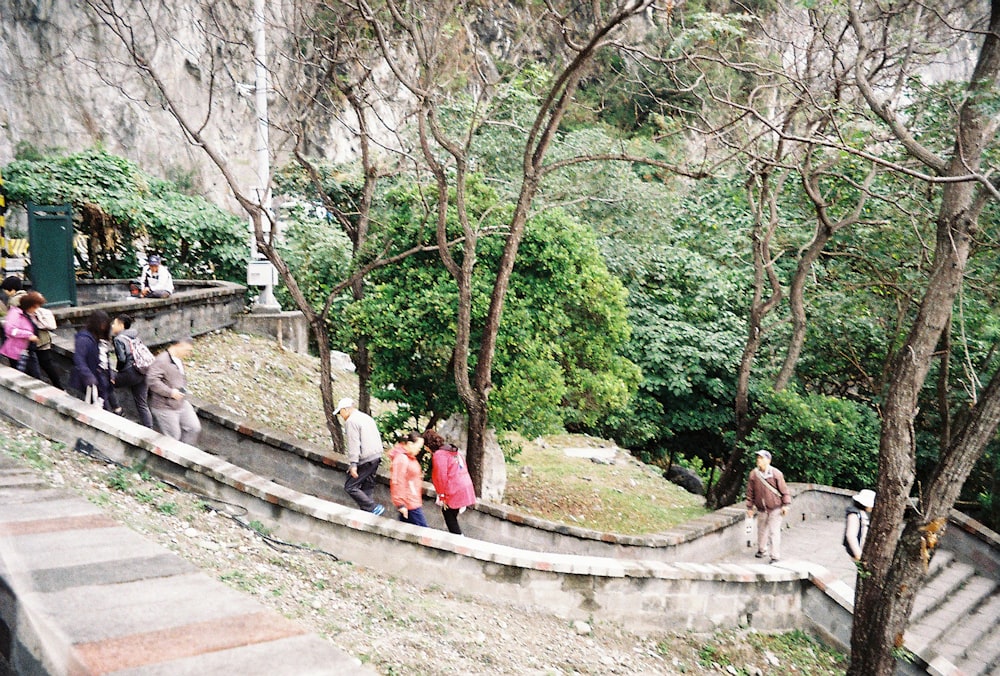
(769,529)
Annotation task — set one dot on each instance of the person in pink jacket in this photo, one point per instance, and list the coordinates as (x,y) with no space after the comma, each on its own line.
(451,480)
(20,333)
(406,478)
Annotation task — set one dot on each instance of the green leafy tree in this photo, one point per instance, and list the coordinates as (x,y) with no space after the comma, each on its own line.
(822,439)
(559,360)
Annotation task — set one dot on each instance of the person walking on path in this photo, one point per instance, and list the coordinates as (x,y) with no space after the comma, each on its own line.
(13,290)
(20,334)
(856,523)
(128,375)
(452,482)
(768,497)
(168,393)
(364,455)
(45,324)
(91,374)
(405,479)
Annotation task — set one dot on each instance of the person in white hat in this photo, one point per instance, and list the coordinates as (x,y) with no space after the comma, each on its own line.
(364,454)
(856,522)
(767,497)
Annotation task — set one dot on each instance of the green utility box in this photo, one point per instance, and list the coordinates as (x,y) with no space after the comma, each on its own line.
(50,237)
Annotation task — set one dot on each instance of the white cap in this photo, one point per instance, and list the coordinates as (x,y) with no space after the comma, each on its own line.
(346,402)
(865,498)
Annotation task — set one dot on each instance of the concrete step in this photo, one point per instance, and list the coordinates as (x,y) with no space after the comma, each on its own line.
(942,559)
(943,581)
(958,623)
(982,656)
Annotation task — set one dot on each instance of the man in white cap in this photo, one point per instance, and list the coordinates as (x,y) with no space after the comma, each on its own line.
(364,453)
(856,522)
(768,497)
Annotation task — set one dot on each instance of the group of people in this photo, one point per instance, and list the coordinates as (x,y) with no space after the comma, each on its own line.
(159,389)
(449,473)
(27,331)
(768,498)
(158,385)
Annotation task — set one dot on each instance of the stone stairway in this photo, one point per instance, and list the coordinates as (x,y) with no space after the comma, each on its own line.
(957,617)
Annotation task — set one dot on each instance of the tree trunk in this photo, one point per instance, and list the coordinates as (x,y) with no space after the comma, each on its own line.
(478,424)
(727,488)
(944,374)
(885,596)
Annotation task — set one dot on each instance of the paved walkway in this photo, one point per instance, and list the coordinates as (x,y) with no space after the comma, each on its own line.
(93,597)
(817,540)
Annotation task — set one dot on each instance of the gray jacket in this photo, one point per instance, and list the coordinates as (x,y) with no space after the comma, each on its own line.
(163,377)
(363,441)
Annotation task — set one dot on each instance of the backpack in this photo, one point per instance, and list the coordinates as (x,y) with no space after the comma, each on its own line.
(141,356)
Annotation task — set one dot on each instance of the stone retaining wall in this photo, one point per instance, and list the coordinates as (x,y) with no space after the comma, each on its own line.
(195,308)
(645,595)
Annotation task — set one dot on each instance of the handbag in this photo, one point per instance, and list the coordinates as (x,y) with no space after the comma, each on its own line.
(91,396)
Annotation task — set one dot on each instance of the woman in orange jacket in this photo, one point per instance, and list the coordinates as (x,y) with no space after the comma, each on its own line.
(406,479)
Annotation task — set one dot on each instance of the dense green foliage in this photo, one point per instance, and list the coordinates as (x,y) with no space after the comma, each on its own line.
(559,361)
(120,209)
(821,439)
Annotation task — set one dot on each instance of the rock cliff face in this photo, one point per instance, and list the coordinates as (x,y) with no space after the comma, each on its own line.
(66,83)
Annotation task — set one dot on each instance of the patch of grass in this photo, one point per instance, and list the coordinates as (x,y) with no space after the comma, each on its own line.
(799,648)
(28,450)
(100,499)
(169,508)
(237,579)
(260,527)
(120,479)
(709,654)
(626,497)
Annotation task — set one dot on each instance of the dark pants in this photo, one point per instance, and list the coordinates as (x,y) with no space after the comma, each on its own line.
(414,516)
(28,363)
(136,383)
(107,390)
(135,290)
(362,489)
(48,364)
(451,519)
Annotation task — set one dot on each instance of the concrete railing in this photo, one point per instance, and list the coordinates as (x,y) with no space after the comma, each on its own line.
(196,307)
(645,594)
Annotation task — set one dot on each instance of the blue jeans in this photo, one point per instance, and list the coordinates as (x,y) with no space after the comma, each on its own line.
(362,489)
(414,516)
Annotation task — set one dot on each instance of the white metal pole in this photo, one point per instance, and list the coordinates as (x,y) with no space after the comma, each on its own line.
(266,300)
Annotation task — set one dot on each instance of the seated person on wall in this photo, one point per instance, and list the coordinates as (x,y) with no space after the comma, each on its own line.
(154,280)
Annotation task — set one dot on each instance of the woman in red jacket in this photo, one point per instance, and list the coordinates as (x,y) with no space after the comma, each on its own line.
(451,480)
(406,479)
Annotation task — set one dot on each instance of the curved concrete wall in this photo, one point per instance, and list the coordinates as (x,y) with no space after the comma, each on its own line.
(646,595)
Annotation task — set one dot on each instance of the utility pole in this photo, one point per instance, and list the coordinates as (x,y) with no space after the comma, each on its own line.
(260,271)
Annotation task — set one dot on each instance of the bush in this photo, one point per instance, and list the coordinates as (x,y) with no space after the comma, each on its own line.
(119,209)
(817,438)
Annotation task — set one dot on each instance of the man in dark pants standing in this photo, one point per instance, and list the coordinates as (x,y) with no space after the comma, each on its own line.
(364,453)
